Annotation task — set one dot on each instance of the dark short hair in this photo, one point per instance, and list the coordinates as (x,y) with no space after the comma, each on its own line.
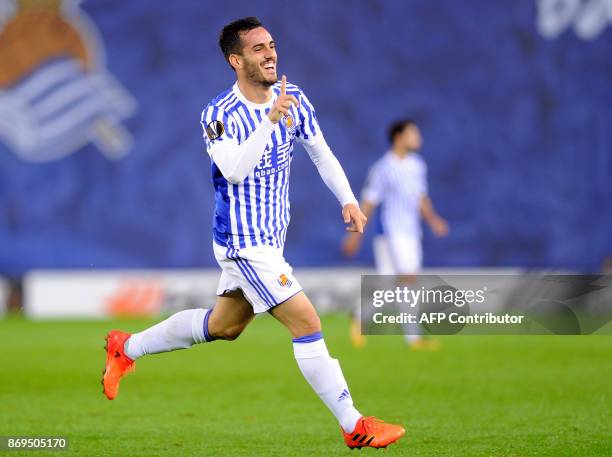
(398,127)
(229,38)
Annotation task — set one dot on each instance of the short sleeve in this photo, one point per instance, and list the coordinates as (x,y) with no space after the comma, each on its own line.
(308,128)
(217,126)
(374,188)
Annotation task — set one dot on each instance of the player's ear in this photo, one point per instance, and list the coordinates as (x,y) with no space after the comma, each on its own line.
(235,61)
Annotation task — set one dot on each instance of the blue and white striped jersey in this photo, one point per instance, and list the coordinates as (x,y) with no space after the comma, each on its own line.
(256,211)
(397,185)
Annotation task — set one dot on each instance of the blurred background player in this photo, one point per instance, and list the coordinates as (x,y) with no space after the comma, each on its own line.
(397,182)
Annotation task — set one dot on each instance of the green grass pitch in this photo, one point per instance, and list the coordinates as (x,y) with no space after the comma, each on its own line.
(478,396)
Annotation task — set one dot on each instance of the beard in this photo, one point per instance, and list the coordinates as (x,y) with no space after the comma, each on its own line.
(255,74)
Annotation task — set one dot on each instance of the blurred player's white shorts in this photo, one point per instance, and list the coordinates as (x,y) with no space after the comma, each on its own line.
(398,254)
(261,272)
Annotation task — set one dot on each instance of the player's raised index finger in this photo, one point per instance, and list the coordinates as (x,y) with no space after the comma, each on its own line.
(283,85)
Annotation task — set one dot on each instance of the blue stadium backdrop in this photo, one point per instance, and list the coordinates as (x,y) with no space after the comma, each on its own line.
(102,163)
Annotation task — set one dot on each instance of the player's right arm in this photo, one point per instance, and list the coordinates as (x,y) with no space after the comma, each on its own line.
(236,160)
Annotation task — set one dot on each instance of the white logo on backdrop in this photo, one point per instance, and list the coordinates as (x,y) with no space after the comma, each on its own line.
(588,18)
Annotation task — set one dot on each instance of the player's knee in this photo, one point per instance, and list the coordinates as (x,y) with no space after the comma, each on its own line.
(308,325)
(232,332)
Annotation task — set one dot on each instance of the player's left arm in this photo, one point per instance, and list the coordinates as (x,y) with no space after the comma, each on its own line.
(310,135)
(437,224)
(335,179)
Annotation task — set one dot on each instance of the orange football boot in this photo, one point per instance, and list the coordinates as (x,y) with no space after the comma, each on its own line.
(372,432)
(117,363)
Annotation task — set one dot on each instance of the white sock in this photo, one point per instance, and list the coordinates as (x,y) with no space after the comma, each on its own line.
(325,376)
(179,331)
(412,330)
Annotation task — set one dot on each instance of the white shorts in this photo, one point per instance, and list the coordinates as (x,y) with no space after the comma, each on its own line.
(398,254)
(261,272)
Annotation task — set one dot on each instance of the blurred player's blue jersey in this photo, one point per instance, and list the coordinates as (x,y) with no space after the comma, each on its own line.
(256,211)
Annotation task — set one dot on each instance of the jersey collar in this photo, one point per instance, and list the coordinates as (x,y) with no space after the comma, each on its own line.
(249,103)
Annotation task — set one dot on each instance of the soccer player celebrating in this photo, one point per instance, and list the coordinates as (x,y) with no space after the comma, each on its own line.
(398,183)
(250,130)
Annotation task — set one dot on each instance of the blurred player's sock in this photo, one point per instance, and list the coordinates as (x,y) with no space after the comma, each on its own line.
(357,338)
(179,331)
(325,376)
(424,344)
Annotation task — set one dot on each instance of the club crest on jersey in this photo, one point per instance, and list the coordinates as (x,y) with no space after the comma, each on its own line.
(289,123)
(56,95)
(215,129)
(284,281)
